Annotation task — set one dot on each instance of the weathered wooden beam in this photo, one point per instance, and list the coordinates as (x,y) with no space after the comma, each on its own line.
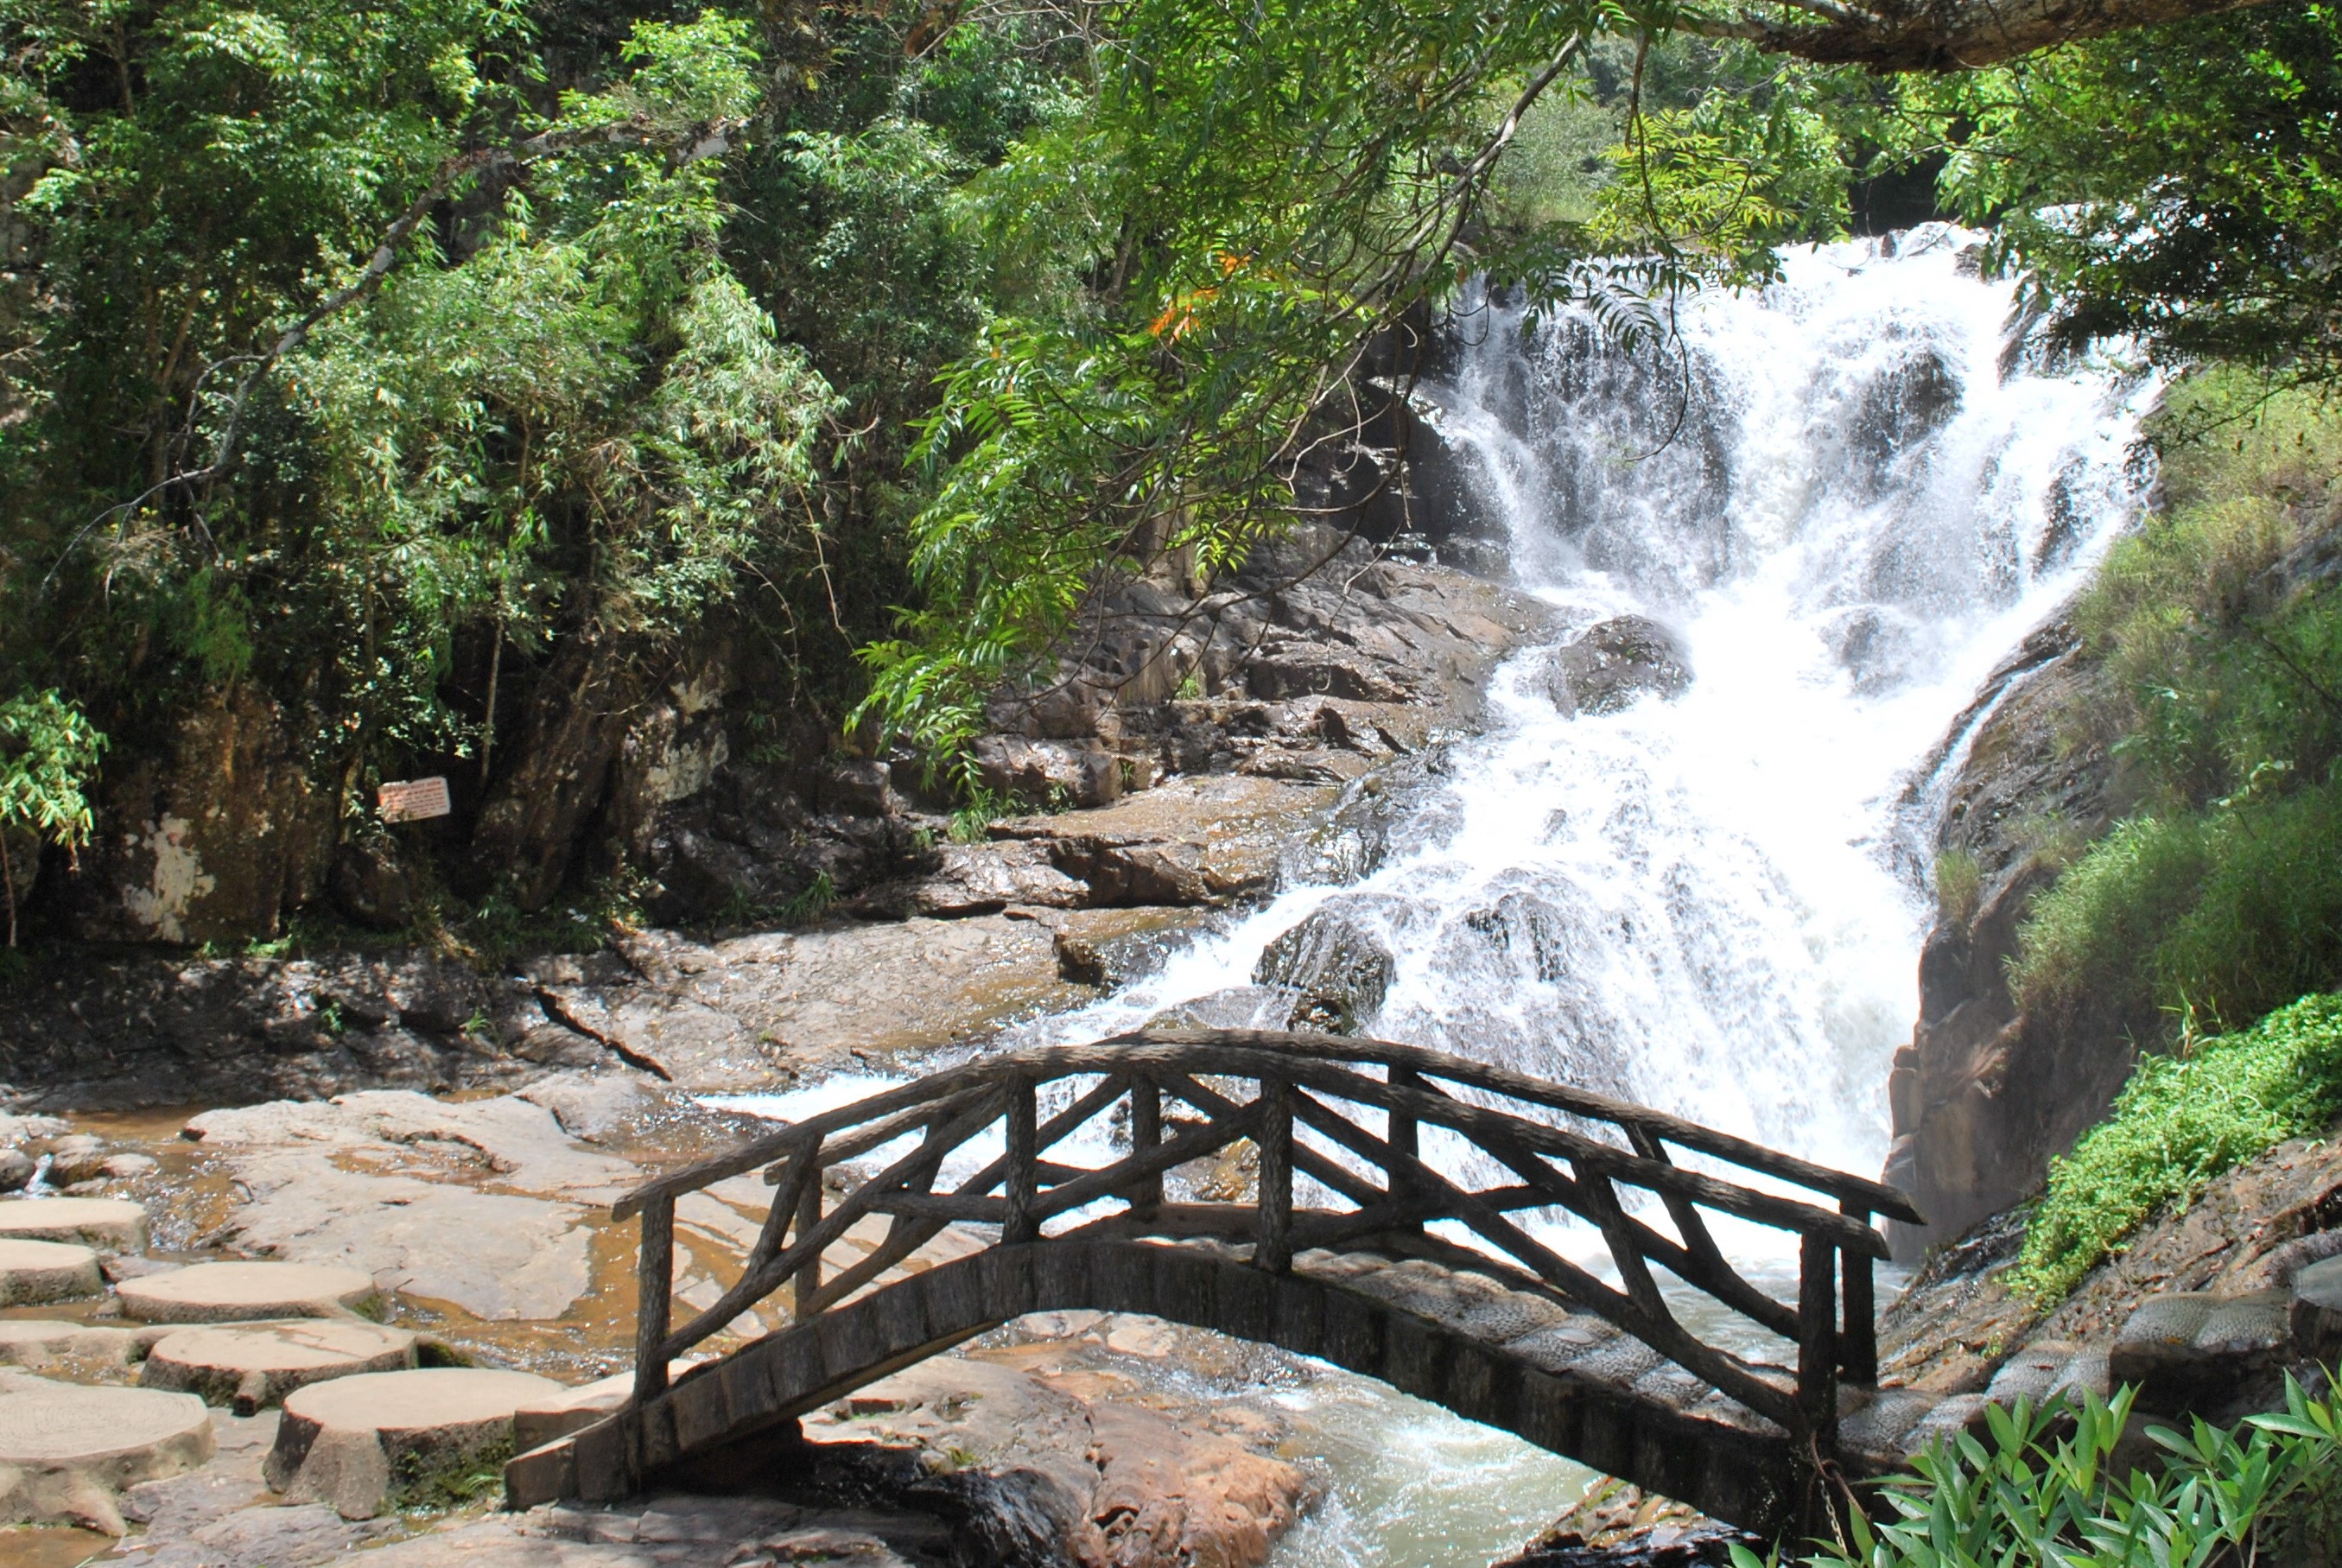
(653,1297)
(1273,1249)
(1145,1132)
(1859,1337)
(756,1279)
(807,1250)
(1023,1221)
(1818,1340)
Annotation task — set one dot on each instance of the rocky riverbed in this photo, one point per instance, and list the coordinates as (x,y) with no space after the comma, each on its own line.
(449,1138)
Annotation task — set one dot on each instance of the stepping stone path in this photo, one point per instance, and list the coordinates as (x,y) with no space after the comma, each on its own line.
(251,1367)
(67,1449)
(390,1439)
(248,1292)
(33,1274)
(108,1225)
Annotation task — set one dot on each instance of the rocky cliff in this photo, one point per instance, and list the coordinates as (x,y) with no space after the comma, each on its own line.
(1985,1094)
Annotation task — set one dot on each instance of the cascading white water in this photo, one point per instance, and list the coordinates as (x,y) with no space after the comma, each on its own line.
(1847,514)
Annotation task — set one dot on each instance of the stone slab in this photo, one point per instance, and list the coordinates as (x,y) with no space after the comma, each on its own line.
(247,1292)
(388,1439)
(67,1451)
(107,1224)
(34,1274)
(45,1341)
(251,1367)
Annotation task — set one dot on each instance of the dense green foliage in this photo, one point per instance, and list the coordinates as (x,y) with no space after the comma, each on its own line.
(2049,1490)
(2183,187)
(2221,697)
(2183,1119)
(48,753)
(366,356)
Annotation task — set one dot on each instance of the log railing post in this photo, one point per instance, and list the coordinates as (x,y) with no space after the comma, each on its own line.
(1146,1131)
(1817,1338)
(808,1281)
(1024,1176)
(1402,1137)
(1273,1249)
(653,1297)
(1859,1343)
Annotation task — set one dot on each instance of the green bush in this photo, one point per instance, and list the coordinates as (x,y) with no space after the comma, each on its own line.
(2219,692)
(2182,1120)
(2224,913)
(2267,1491)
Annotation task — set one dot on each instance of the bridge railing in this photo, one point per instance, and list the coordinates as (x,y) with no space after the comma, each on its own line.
(1348,1115)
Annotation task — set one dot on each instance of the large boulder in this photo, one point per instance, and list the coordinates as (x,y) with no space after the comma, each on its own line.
(1615,664)
(1062,773)
(1339,963)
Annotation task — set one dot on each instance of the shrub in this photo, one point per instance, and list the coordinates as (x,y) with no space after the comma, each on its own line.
(2264,1491)
(2182,1120)
(1959,886)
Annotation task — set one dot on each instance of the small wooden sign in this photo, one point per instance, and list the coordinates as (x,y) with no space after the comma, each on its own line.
(412,800)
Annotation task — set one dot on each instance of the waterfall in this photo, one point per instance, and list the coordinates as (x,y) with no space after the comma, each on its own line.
(1845,514)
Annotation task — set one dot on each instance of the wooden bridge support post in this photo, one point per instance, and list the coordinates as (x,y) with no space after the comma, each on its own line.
(809,1218)
(653,1297)
(1273,1249)
(1397,1180)
(1858,1347)
(1024,1180)
(1817,1337)
(1145,1195)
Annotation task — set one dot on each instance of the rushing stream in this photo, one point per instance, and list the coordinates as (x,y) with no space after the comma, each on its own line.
(1847,514)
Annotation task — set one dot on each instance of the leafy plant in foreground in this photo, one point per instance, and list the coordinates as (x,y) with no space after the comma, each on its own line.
(2048,1492)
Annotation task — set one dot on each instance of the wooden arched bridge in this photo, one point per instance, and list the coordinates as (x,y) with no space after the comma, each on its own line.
(1354,1141)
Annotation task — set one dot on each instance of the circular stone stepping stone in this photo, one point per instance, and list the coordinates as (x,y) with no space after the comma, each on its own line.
(392,1439)
(247,1292)
(108,1225)
(33,1273)
(67,1451)
(251,1367)
(38,1342)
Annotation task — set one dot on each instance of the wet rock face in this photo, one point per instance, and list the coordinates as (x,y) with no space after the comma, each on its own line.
(1337,962)
(1985,1095)
(214,835)
(1616,664)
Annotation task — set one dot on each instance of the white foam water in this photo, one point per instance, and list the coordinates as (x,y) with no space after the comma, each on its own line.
(1847,513)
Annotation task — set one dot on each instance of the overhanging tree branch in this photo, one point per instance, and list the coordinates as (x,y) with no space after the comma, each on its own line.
(1937,35)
